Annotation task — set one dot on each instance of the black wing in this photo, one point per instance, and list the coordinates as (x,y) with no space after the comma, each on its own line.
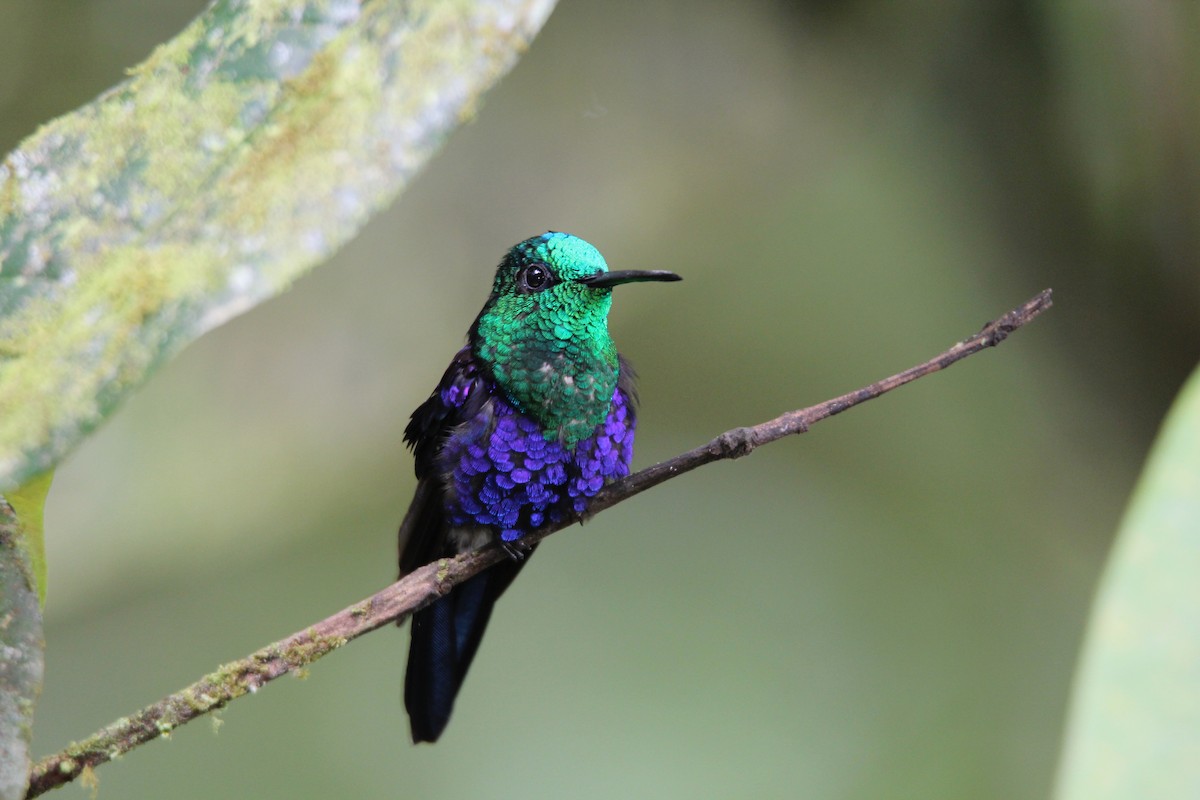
(446,633)
(459,396)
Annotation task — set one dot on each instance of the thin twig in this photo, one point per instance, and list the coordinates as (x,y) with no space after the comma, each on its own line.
(426,584)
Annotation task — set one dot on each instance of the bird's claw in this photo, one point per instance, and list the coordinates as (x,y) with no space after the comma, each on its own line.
(513,550)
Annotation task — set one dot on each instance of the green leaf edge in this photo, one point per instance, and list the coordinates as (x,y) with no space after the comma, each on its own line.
(1133,728)
(29,504)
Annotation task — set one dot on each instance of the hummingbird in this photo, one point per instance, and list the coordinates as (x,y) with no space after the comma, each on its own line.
(531,419)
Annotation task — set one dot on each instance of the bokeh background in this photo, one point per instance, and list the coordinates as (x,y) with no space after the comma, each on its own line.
(888,607)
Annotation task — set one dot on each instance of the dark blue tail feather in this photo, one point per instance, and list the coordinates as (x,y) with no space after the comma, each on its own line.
(445,636)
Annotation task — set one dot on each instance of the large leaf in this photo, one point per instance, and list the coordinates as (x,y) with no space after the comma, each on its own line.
(238,155)
(1134,725)
(21,648)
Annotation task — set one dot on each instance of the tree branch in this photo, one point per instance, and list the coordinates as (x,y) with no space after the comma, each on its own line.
(426,584)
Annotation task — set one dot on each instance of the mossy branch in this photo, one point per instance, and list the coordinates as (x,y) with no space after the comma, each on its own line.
(426,584)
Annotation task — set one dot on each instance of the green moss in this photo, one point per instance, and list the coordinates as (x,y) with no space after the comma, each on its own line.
(306,652)
(97,335)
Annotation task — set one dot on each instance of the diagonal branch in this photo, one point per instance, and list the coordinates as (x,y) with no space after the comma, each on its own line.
(426,584)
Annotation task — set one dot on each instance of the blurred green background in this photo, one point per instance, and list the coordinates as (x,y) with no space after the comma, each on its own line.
(888,607)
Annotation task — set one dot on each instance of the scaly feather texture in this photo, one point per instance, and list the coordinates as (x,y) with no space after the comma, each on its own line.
(529,421)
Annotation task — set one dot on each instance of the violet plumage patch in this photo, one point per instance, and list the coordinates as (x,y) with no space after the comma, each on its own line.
(502,472)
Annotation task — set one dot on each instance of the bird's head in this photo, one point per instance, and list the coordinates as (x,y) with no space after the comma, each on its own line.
(544,329)
(558,288)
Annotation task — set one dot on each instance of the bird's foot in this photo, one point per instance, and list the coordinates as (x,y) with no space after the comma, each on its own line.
(513,550)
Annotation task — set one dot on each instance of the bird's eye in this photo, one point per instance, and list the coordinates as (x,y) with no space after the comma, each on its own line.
(535,277)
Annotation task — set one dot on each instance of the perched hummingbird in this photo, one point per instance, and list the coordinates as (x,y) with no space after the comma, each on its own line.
(530,420)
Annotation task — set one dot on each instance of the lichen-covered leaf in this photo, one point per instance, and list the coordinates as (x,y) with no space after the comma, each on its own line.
(21,647)
(1134,726)
(238,155)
